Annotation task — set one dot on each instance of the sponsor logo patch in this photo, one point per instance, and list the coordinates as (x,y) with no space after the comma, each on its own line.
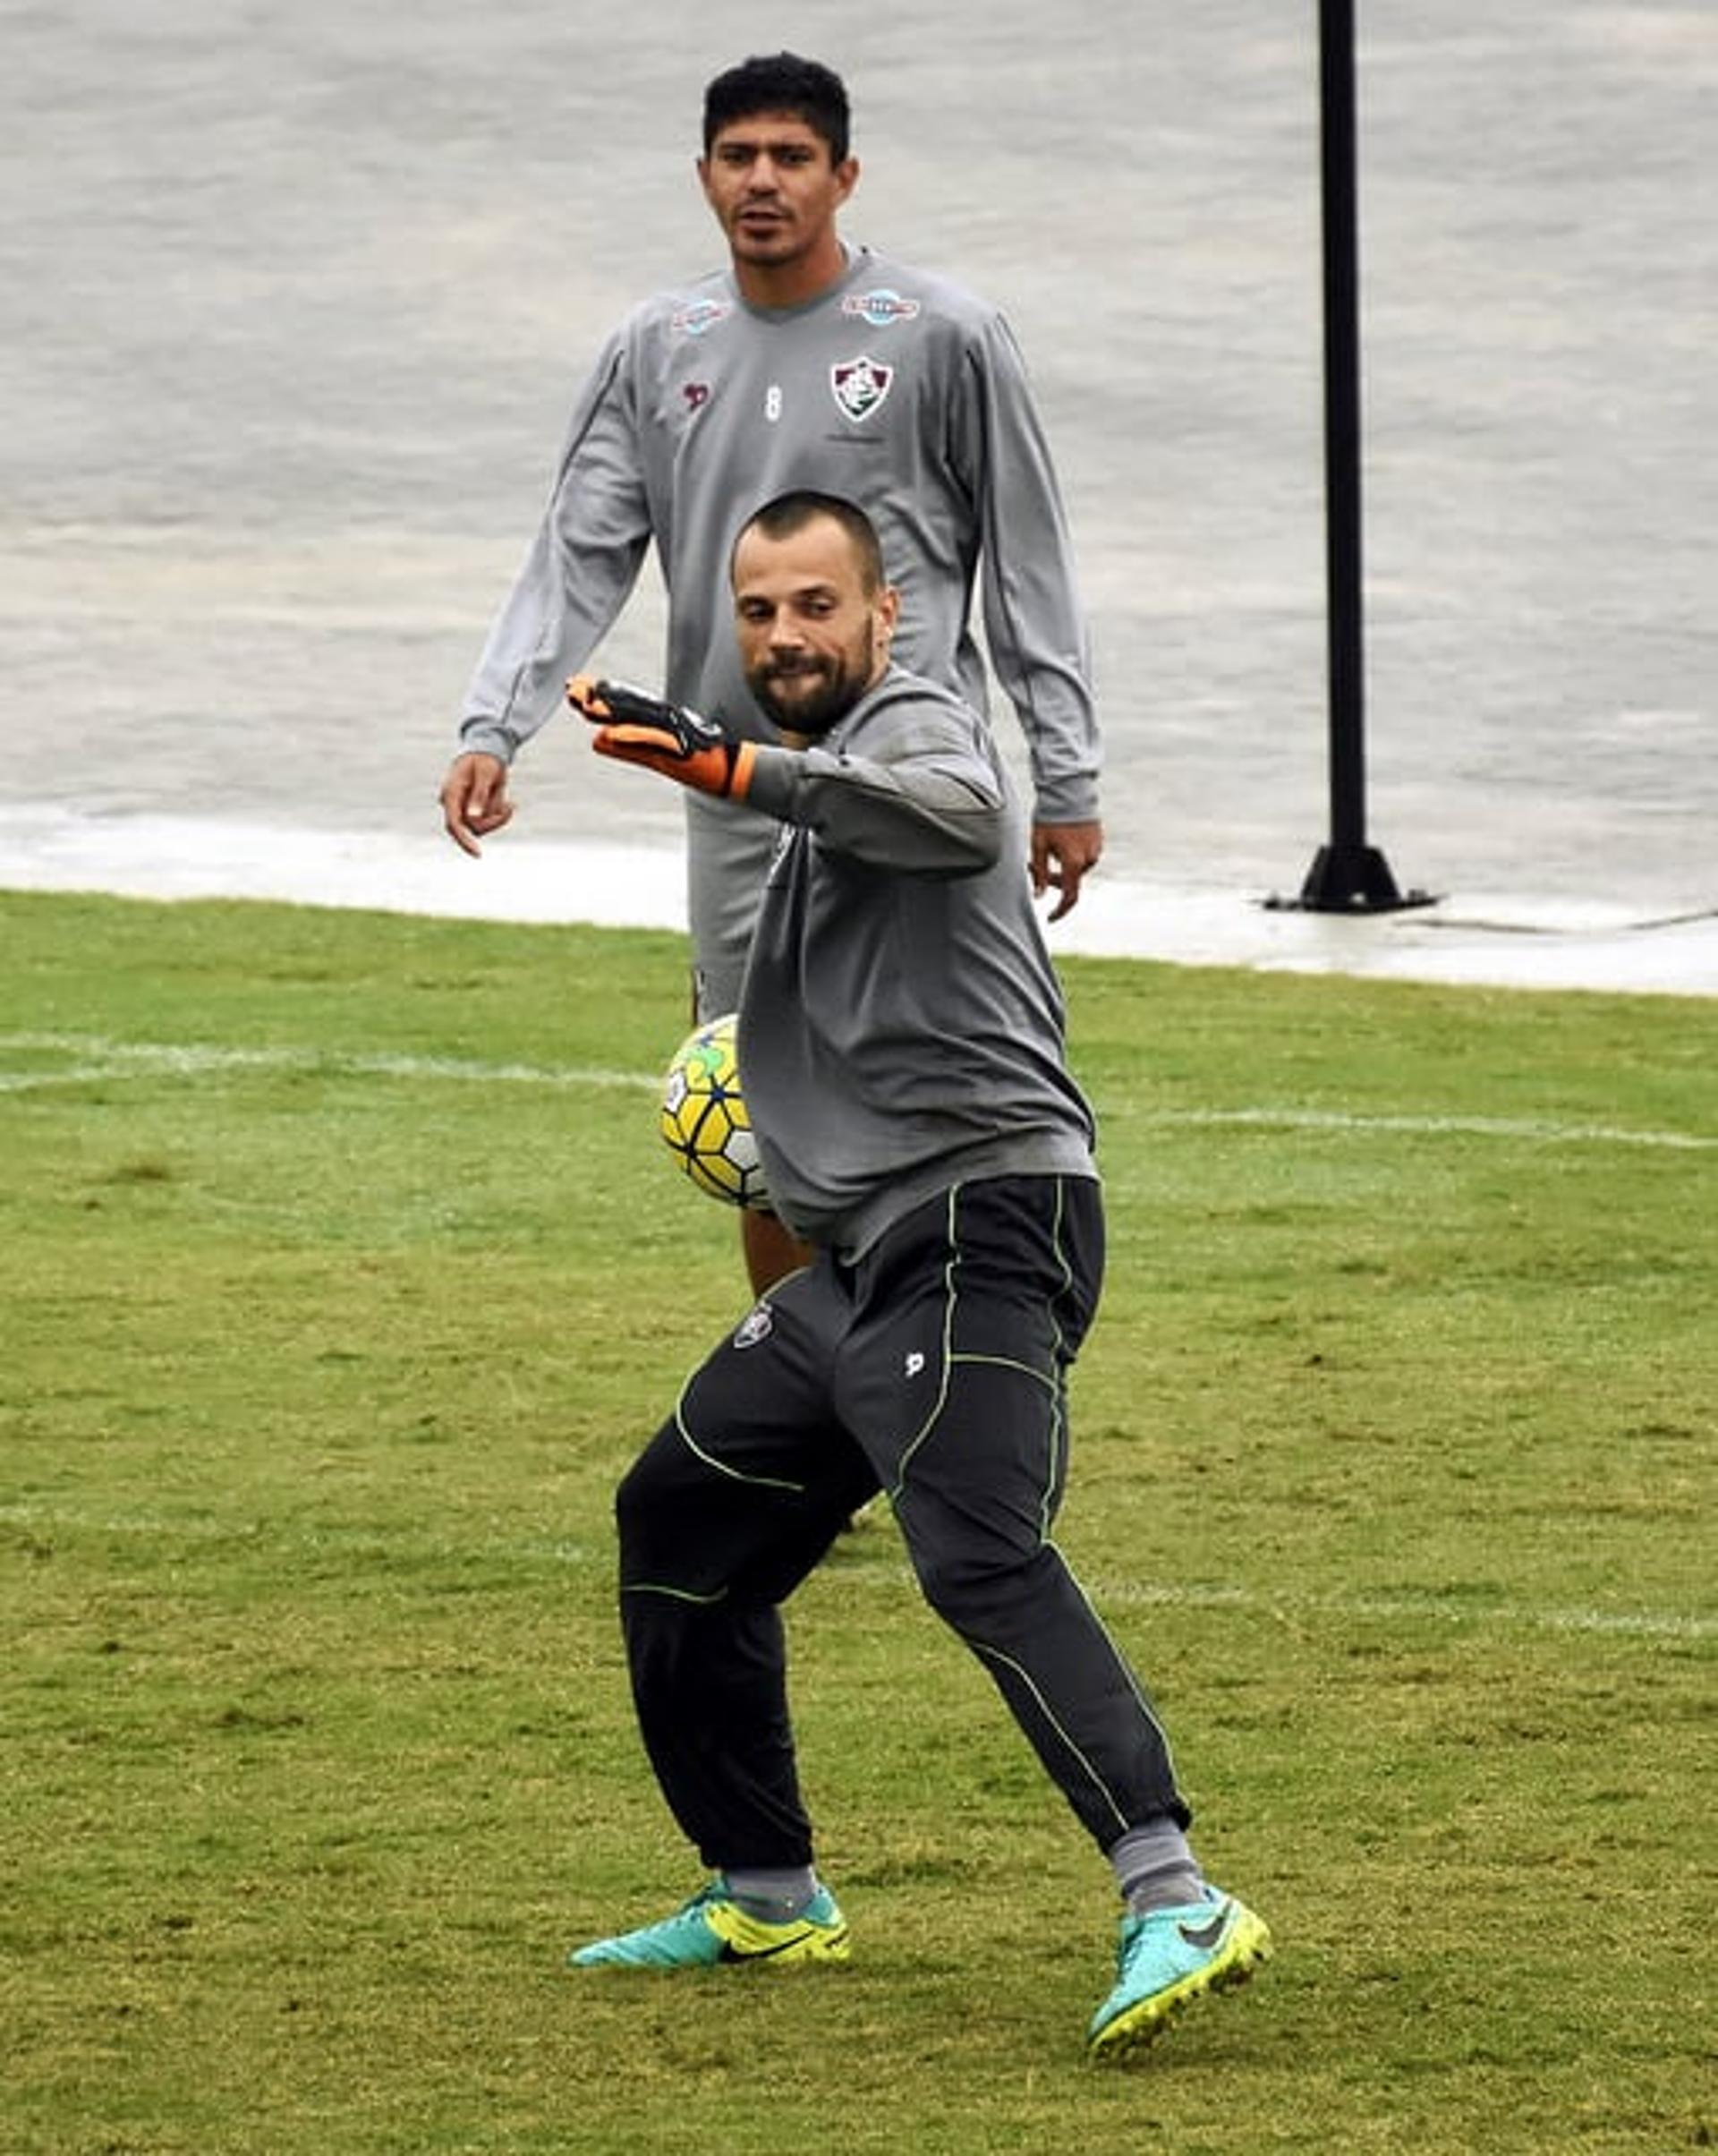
(702,315)
(881,309)
(859,386)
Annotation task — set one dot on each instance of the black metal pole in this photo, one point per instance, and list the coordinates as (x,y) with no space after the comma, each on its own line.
(1347,874)
(1344,582)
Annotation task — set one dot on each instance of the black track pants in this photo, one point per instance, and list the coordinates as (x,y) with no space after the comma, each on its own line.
(934,1369)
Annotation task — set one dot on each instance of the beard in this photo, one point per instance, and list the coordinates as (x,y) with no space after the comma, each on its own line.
(809,695)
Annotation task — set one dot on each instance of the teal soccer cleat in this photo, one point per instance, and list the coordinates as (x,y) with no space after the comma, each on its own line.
(1170,1957)
(712,1929)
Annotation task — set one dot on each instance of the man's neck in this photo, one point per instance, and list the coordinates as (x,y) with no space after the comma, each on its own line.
(792,283)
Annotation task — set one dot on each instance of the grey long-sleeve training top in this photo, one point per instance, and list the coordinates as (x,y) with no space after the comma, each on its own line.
(895,388)
(901,1027)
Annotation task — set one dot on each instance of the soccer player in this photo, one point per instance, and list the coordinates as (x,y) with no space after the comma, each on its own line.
(806,363)
(901,1048)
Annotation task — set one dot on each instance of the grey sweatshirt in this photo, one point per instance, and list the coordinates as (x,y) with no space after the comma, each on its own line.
(901,1027)
(895,388)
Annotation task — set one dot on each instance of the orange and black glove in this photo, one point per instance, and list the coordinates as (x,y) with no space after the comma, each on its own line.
(665,738)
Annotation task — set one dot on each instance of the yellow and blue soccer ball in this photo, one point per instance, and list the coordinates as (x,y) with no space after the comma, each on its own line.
(704,1122)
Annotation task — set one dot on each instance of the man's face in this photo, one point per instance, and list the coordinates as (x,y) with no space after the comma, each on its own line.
(812,638)
(774,189)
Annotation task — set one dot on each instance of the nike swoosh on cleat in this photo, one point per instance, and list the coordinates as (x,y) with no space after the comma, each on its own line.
(1204,1936)
(762,1954)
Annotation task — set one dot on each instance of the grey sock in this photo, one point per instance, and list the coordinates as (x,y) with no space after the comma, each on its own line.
(1156,1869)
(774,1896)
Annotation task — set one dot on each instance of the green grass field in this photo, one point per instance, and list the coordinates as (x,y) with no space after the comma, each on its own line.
(341,1273)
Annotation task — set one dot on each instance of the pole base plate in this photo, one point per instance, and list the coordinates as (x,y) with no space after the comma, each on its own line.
(1352,880)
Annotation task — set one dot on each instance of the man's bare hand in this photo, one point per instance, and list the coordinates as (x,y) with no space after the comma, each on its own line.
(1061,855)
(474,800)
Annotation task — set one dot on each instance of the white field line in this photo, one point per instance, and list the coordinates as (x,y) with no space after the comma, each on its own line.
(879,1572)
(99,1059)
(102,1060)
(1536,1129)
(1645,1625)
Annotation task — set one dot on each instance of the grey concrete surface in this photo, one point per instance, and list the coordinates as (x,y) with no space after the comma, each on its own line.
(294,301)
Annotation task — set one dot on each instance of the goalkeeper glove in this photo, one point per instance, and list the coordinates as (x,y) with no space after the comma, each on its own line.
(665,738)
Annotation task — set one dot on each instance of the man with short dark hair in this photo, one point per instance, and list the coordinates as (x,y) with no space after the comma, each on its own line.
(804,363)
(901,1050)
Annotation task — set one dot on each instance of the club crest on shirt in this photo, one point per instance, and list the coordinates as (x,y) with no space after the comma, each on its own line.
(881,309)
(859,386)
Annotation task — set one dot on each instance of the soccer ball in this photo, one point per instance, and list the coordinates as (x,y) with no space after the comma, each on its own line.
(703,1121)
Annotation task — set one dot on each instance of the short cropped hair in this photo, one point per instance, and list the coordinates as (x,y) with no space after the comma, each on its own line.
(780,82)
(791,513)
